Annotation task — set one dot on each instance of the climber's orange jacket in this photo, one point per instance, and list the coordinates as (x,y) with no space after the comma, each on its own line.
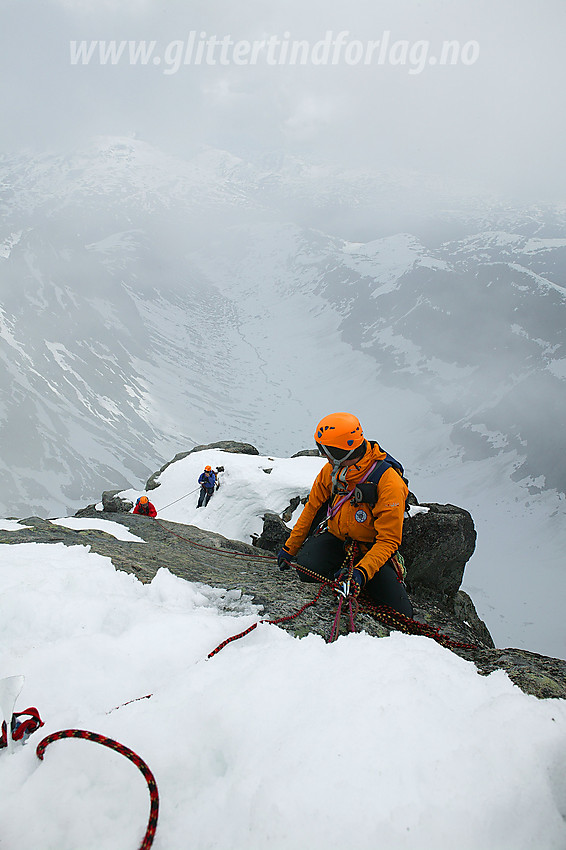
(379,528)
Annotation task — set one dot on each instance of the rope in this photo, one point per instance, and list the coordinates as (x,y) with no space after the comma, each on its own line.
(341,586)
(336,624)
(136,699)
(400,623)
(383,613)
(125,751)
(228,552)
(179,499)
(270,622)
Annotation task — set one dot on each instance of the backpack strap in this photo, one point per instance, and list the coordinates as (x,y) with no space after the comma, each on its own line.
(366,491)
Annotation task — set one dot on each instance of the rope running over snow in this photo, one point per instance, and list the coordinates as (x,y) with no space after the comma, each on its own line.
(386,615)
(125,751)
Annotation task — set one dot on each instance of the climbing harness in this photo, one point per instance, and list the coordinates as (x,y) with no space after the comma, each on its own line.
(129,754)
(332,510)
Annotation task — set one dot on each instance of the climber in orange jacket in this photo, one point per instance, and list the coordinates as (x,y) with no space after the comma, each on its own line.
(334,515)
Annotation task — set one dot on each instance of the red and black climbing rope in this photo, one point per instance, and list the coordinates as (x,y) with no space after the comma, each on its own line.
(400,623)
(270,622)
(129,754)
(383,613)
(230,553)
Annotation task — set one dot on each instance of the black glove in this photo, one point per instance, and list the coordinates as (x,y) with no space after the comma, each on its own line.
(356,582)
(284,559)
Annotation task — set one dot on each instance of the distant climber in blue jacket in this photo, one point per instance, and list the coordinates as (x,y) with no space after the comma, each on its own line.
(207,481)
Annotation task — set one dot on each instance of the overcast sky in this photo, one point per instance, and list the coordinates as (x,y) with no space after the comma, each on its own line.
(497,116)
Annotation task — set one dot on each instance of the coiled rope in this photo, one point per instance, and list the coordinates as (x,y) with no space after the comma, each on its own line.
(129,754)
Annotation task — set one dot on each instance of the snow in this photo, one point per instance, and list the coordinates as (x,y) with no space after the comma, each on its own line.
(558,367)
(417,509)
(246,490)
(113,528)
(532,246)
(274,742)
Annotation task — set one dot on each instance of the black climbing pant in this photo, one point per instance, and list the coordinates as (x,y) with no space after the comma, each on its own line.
(324,554)
(205,496)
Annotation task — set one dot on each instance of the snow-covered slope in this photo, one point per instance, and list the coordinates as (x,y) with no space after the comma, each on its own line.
(438,757)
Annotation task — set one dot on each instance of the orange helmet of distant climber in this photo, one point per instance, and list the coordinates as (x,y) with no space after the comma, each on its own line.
(208,468)
(143,500)
(339,437)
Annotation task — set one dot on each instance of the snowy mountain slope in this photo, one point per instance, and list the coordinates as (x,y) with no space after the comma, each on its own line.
(250,485)
(480,337)
(149,303)
(474,761)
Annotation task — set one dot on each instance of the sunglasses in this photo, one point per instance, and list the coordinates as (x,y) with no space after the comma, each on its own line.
(337,455)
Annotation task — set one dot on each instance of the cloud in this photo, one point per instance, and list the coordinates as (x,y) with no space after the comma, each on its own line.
(495,119)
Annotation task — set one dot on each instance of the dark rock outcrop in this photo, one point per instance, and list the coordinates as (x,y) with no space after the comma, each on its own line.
(274,533)
(436,547)
(113,503)
(224,445)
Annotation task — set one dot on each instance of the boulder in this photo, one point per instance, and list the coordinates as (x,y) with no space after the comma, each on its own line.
(113,503)
(274,533)
(436,547)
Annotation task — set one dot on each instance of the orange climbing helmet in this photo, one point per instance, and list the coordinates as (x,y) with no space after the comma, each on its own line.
(143,500)
(208,468)
(339,437)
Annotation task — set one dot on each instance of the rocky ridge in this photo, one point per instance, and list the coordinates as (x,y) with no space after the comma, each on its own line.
(438,541)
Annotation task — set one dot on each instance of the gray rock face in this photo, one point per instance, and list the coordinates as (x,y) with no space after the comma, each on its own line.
(436,547)
(224,445)
(112,503)
(465,610)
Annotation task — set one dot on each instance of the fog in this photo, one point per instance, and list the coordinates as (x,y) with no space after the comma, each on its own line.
(495,122)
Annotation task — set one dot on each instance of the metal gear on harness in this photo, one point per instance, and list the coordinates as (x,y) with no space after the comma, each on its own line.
(348,584)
